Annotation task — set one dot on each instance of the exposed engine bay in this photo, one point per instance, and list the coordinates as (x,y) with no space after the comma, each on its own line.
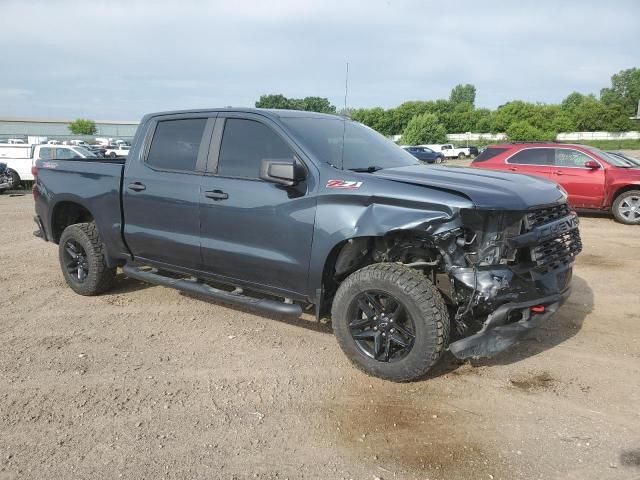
(482,261)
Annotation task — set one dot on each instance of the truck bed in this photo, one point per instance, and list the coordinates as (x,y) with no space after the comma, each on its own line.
(95,184)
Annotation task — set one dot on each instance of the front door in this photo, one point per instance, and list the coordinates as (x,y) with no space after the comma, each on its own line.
(585,186)
(253,231)
(161,193)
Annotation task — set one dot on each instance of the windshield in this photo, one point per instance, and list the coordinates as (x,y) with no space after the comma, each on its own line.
(85,152)
(610,159)
(364,148)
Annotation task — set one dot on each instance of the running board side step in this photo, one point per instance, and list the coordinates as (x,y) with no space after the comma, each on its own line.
(261,305)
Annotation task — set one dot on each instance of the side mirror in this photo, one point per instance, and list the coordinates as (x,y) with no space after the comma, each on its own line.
(592,164)
(285,172)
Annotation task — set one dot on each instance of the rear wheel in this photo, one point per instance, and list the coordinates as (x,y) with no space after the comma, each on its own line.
(82,260)
(390,321)
(113,154)
(461,155)
(626,207)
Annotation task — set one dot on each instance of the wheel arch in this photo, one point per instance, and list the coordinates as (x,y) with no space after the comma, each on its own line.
(65,213)
(619,191)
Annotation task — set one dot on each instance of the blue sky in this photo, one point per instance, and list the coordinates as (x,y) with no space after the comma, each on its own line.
(120,59)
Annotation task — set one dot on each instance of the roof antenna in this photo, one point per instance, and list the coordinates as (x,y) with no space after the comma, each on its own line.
(344,116)
(346,89)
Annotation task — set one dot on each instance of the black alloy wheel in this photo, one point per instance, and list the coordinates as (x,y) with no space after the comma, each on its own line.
(75,259)
(381,326)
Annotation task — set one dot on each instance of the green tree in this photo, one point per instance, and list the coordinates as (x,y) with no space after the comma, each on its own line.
(463,94)
(273,101)
(317,104)
(82,126)
(624,91)
(424,128)
(308,104)
(523,131)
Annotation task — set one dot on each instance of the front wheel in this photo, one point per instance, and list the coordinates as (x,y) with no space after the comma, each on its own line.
(390,321)
(626,208)
(82,260)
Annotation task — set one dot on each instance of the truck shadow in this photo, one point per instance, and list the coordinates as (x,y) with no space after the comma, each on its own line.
(566,323)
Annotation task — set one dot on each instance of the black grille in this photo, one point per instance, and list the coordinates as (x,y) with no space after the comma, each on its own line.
(557,252)
(546,215)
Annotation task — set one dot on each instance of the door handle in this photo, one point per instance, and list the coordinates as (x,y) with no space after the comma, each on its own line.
(558,172)
(137,186)
(216,195)
(513,169)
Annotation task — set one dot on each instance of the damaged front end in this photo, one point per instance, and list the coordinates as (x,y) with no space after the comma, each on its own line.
(505,273)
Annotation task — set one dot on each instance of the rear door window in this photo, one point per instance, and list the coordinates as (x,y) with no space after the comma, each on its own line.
(534,156)
(566,157)
(66,154)
(245,143)
(175,144)
(489,153)
(45,153)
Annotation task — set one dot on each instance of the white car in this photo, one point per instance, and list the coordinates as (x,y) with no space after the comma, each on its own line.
(20,158)
(117,151)
(449,151)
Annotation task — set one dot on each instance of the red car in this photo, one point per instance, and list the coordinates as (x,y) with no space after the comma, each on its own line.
(593,179)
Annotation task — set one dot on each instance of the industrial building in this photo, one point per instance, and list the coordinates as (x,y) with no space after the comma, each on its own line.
(11,127)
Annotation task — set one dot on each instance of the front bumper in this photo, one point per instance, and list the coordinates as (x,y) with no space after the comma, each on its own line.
(497,334)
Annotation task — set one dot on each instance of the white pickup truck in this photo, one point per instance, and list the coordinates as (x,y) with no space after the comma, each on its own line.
(449,151)
(20,158)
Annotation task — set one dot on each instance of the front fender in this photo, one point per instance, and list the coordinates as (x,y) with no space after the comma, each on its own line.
(345,215)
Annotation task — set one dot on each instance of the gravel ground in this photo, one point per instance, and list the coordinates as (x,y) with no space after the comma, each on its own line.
(145,382)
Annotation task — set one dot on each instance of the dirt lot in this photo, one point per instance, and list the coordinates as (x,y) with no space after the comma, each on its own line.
(147,383)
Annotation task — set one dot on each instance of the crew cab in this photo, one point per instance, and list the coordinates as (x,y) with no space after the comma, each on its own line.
(283,211)
(593,179)
(449,151)
(21,158)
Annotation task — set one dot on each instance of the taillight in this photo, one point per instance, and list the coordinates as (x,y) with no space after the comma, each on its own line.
(34,171)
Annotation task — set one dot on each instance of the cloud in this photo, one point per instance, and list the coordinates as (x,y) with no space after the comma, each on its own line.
(121,59)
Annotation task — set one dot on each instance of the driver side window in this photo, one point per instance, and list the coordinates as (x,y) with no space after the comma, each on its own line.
(66,154)
(245,143)
(570,158)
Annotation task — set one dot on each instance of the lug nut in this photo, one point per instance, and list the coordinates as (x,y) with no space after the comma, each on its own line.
(375,328)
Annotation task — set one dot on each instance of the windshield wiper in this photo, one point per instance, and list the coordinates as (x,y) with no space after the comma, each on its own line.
(370,169)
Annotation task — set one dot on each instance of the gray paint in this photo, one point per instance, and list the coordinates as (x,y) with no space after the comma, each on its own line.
(263,236)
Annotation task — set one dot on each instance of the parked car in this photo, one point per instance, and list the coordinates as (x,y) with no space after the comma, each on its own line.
(632,160)
(473,150)
(288,211)
(119,150)
(21,158)
(592,178)
(425,154)
(449,151)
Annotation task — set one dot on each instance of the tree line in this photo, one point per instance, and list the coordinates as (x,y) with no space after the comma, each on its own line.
(428,121)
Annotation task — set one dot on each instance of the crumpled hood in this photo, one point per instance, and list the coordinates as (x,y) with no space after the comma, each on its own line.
(485,188)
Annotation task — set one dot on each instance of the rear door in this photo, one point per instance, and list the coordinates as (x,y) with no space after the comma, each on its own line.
(253,231)
(161,191)
(585,186)
(532,161)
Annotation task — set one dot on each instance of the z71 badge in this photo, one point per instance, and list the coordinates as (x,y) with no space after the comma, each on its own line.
(343,184)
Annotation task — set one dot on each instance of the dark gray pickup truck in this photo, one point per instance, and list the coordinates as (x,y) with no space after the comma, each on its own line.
(283,211)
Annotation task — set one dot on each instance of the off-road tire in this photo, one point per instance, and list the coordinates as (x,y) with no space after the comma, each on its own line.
(100,277)
(615,208)
(420,299)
